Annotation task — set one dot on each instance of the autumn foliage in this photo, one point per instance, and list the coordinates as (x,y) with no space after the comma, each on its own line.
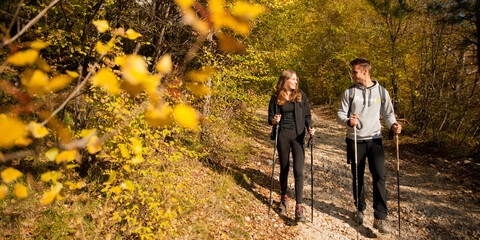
(107,108)
(117,117)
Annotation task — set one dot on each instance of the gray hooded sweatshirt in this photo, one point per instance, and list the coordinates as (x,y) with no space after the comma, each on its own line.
(368,105)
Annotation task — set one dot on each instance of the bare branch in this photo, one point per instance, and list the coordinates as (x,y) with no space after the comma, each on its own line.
(15,16)
(29,24)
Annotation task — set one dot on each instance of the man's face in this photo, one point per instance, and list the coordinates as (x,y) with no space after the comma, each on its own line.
(359,74)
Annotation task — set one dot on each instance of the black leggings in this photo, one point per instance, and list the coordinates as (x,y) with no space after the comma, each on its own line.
(288,140)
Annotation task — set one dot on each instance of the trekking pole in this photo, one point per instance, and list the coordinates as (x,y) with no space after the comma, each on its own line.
(356,175)
(310,144)
(398,186)
(273,169)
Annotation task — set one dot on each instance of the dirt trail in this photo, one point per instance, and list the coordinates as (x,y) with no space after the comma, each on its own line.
(434,205)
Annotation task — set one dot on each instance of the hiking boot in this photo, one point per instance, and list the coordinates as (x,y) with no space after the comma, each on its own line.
(299,215)
(381,225)
(359,218)
(282,206)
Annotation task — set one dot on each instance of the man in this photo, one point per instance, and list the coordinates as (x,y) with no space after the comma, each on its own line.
(360,107)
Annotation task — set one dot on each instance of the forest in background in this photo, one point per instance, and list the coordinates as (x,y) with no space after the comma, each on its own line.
(424,52)
(108,99)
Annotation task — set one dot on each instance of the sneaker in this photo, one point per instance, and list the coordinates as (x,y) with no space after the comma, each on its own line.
(299,215)
(381,225)
(359,218)
(282,206)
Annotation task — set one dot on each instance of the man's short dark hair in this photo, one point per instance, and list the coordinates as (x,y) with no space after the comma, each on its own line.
(363,63)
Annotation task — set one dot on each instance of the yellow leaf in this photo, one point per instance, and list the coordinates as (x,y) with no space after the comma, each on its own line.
(70,185)
(72,74)
(199,89)
(36,81)
(87,132)
(136,145)
(48,197)
(106,79)
(127,168)
(10,174)
(132,35)
(134,69)
(39,44)
(43,65)
(120,60)
(22,58)
(3,191)
(11,130)
(94,145)
(128,185)
(247,10)
(45,177)
(100,48)
(37,130)
(116,190)
(221,17)
(159,116)
(217,10)
(23,142)
(73,186)
(50,176)
(184,3)
(20,190)
(51,154)
(102,25)
(164,65)
(66,156)
(185,116)
(124,151)
(201,75)
(79,185)
(111,178)
(58,82)
(137,159)
(70,166)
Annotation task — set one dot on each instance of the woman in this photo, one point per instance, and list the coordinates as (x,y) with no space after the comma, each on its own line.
(289,108)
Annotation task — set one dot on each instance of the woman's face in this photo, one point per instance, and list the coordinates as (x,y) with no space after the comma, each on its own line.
(291,83)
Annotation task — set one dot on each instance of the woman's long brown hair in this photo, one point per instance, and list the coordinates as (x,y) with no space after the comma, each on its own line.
(281,91)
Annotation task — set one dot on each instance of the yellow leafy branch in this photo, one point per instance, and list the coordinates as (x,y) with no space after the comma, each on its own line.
(82,142)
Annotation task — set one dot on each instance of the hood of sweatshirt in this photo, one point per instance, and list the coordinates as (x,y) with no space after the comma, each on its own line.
(367,92)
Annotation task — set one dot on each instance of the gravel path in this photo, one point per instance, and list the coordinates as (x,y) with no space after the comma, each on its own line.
(434,203)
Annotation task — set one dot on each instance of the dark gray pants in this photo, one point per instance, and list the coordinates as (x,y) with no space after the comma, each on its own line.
(289,141)
(373,150)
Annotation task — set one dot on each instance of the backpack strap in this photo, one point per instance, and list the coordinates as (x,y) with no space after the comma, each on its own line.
(351,96)
(382,90)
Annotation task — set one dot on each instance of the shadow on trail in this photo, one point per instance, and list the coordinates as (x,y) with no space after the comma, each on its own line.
(259,180)
(341,214)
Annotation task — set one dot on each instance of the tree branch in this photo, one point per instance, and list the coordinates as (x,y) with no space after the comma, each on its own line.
(29,24)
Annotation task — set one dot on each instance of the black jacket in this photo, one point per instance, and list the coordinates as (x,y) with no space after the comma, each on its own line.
(303,117)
